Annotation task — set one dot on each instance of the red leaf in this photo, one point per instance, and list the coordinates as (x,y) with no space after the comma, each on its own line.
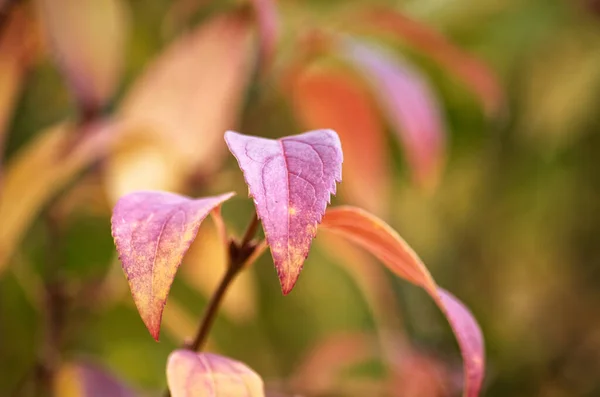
(153,230)
(291,180)
(336,99)
(383,242)
(409,103)
(474,72)
(191,374)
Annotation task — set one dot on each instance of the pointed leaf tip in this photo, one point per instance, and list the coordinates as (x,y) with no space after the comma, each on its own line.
(152,231)
(291,180)
(377,237)
(191,374)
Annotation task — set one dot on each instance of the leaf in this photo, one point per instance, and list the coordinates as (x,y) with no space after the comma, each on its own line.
(191,374)
(290,180)
(267,18)
(472,71)
(153,231)
(15,48)
(41,170)
(409,103)
(181,105)
(88,38)
(374,235)
(336,99)
(83,379)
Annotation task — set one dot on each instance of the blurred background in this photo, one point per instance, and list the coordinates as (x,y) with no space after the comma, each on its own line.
(472,127)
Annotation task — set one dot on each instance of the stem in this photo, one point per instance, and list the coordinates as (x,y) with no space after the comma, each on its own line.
(238,254)
(250,231)
(210,314)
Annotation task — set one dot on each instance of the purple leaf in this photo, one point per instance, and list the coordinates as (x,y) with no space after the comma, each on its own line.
(85,379)
(291,180)
(153,230)
(408,101)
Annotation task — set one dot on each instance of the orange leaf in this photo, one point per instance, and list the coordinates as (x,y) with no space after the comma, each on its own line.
(472,71)
(332,98)
(191,374)
(181,106)
(374,235)
(88,38)
(14,51)
(39,171)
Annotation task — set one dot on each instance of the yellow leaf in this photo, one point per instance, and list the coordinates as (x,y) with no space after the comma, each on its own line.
(39,172)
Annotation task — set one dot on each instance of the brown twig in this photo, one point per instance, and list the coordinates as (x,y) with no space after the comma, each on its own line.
(238,255)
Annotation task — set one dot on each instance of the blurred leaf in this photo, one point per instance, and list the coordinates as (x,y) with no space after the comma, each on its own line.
(181,105)
(191,374)
(319,371)
(474,72)
(41,170)
(88,38)
(409,103)
(290,208)
(204,266)
(82,379)
(329,97)
(153,231)
(419,375)
(383,242)
(267,18)
(14,59)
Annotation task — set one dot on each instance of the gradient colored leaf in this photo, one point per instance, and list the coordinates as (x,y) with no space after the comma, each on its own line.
(153,230)
(336,99)
(475,73)
(83,379)
(88,38)
(15,48)
(39,171)
(374,235)
(181,105)
(291,180)
(191,374)
(409,103)
(267,19)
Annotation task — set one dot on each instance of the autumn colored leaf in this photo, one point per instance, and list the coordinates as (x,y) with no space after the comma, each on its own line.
(39,171)
(409,103)
(475,73)
(153,230)
(180,106)
(337,99)
(374,235)
(266,16)
(191,374)
(88,39)
(291,180)
(84,379)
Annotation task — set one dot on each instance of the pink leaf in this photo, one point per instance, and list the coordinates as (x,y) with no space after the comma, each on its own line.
(191,374)
(291,180)
(267,18)
(153,230)
(83,379)
(374,235)
(409,103)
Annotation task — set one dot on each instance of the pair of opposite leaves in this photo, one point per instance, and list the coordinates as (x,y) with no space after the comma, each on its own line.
(291,180)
